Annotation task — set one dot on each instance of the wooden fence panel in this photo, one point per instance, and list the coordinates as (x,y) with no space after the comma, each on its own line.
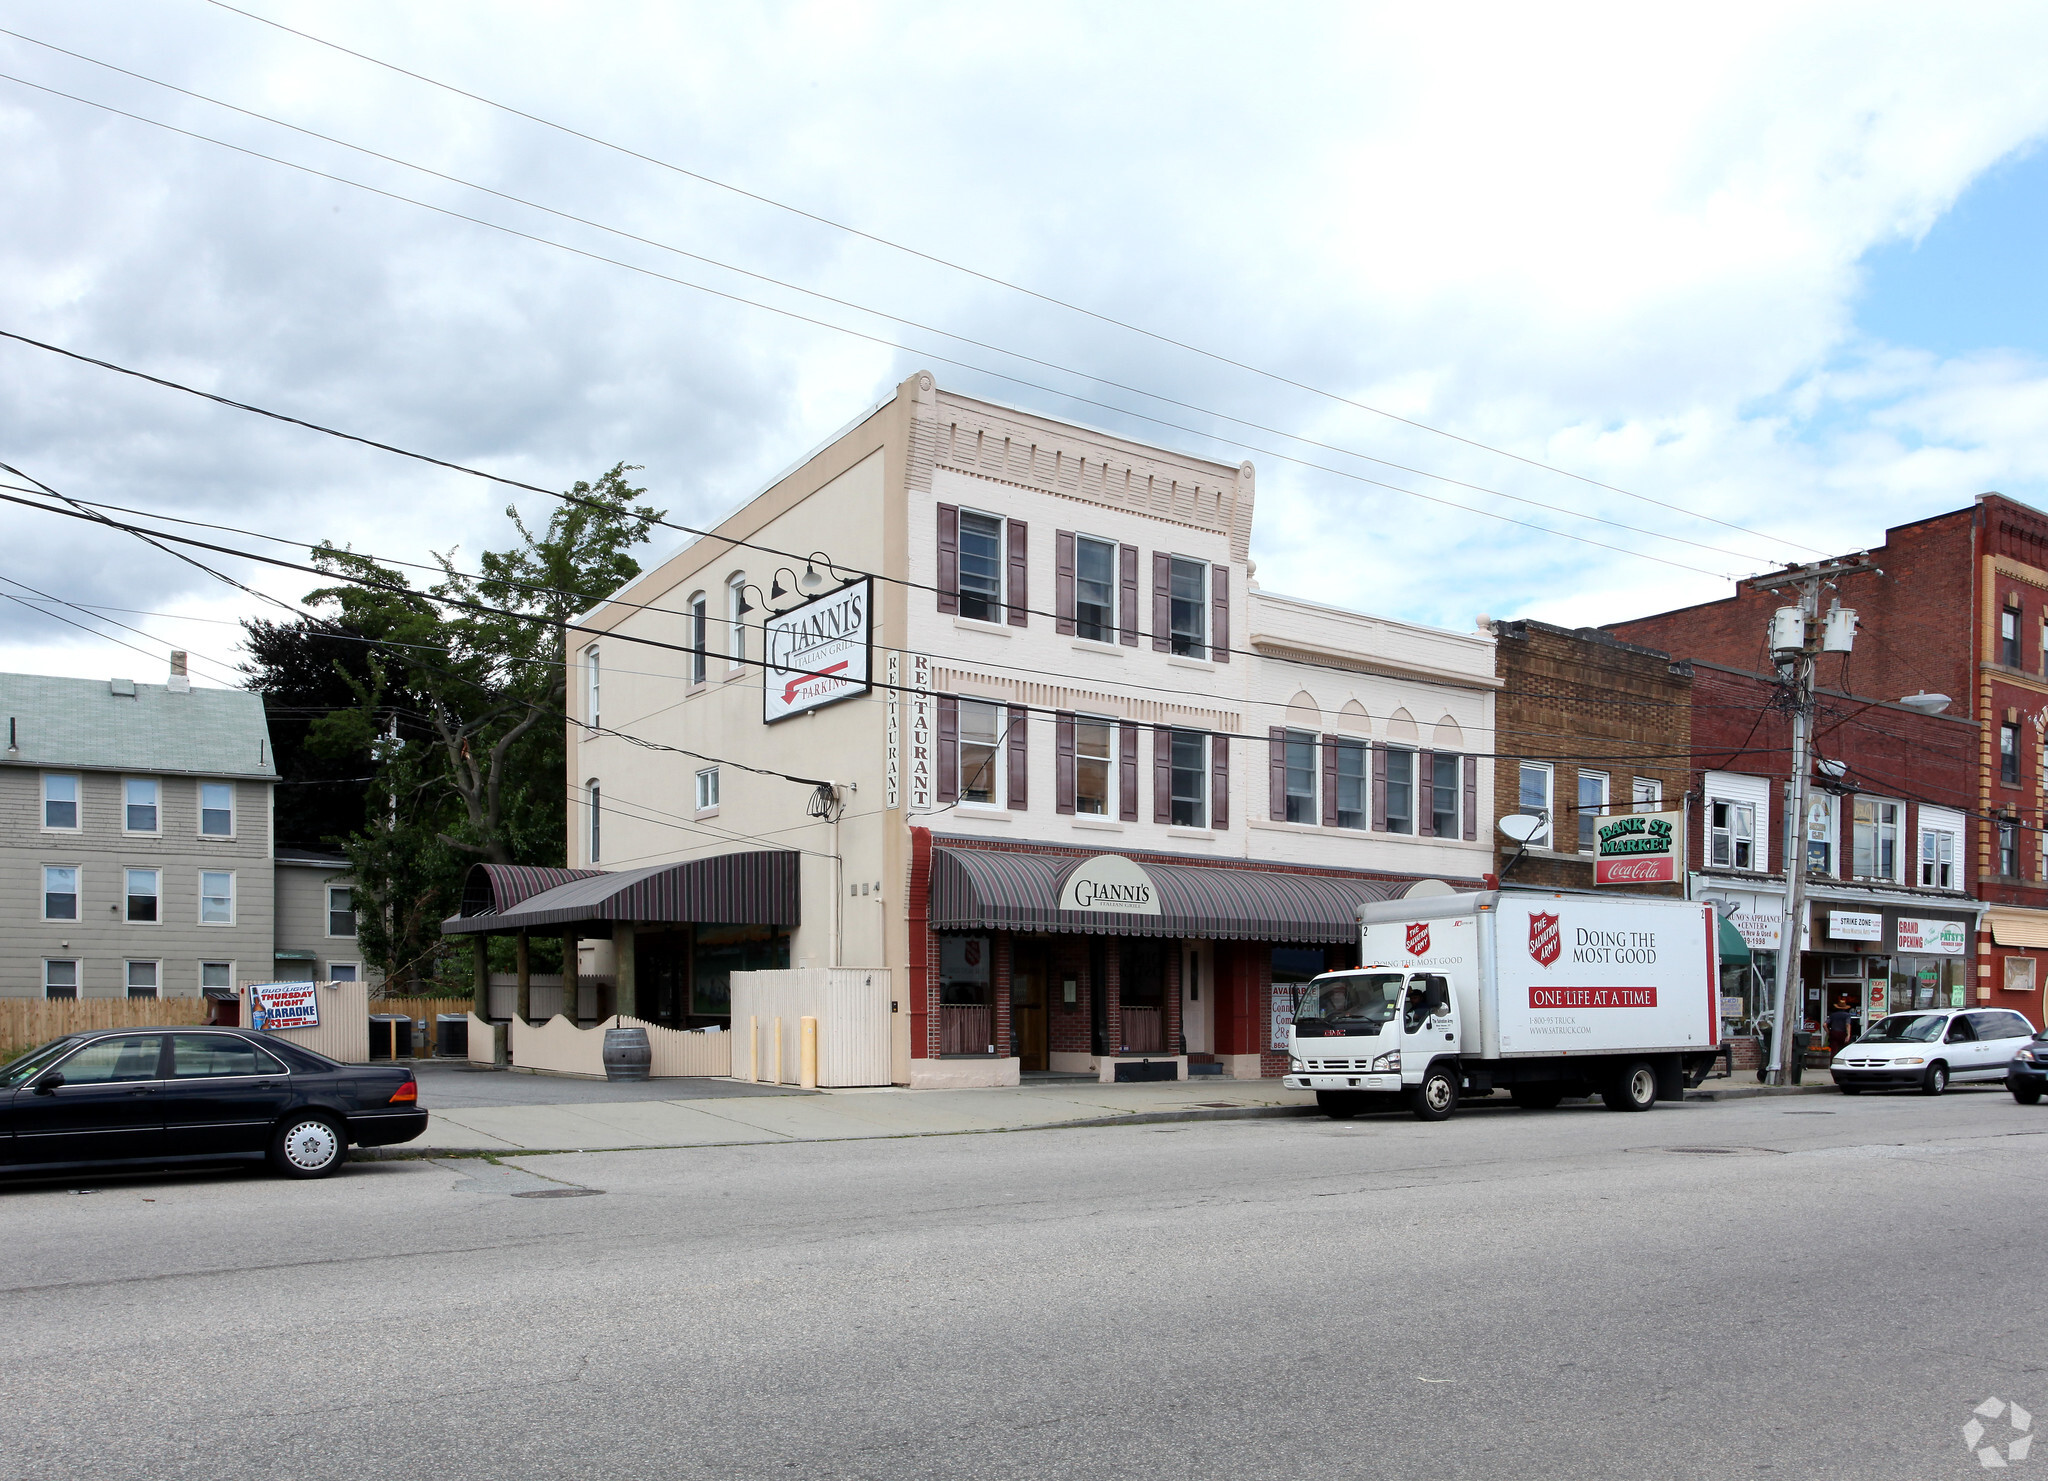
(27,1022)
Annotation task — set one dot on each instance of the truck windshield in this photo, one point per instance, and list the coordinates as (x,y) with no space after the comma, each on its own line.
(1355,1002)
(1916,1028)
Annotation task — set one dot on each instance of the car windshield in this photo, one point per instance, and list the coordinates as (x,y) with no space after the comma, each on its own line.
(1358,1002)
(1906,1028)
(25,1069)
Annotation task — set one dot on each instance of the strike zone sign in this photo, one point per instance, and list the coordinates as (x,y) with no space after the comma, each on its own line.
(818,653)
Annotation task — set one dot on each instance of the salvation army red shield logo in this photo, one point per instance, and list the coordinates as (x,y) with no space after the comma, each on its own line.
(1545,941)
(1418,938)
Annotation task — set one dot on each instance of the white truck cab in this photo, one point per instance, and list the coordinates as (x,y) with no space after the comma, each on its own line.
(1374,1030)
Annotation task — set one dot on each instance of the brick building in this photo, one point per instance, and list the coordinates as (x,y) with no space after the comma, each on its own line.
(1600,728)
(1956,605)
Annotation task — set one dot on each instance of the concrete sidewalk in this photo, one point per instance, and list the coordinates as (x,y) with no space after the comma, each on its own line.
(580,1121)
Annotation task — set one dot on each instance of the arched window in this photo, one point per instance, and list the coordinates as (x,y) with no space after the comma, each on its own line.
(735,603)
(592,800)
(699,623)
(590,667)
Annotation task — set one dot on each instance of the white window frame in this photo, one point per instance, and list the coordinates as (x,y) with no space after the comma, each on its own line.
(355,923)
(77,801)
(1526,769)
(593,823)
(736,641)
(1110,799)
(1359,746)
(157,876)
(1202,583)
(1110,628)
(1939,825)
(998,780)
(156,786)
(1204,798)
(77,986)
(1589,837)
(1002,596)
(699,608)
(593,687)
(156,974)
(1646,794)
(77,892)
(1898,830)
(1414,790)
(1830,810)
(1457,813)
(231,809)
(706,790)
(215,962)
(1306,740)
(1739,829)
(233,897)
(354,968)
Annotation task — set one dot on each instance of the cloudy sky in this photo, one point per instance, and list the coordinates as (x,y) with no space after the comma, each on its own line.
(1778,276)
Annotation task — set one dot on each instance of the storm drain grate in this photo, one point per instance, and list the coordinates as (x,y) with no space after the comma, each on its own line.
(1716,1151)
(561,1193)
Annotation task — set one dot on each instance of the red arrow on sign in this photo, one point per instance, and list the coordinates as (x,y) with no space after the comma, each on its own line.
(789,690)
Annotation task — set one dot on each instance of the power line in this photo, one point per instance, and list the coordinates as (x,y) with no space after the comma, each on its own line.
(1003,282)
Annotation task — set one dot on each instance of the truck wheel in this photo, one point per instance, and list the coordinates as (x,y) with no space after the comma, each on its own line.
(2026,1095)
(1437,1096)
(1536,1097)
(1635,1089)
(1336,1105)
(1936,1079)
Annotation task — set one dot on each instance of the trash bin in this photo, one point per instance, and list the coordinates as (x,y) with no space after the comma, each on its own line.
(390,1036)
(451,1035)
(1801,1044)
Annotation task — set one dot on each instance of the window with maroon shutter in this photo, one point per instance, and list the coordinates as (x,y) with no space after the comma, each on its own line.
(1063,764)
(1127,773)
(949,748)
(1219,781)
(1162,774)
(1425,795)
(1127,579)
(1329,781)
(1020,573)
(1276,774)
(1379,789)
(1063,581)
(1219,614)
(1019,778)
(1471,819)
(949,557)
(1162,601)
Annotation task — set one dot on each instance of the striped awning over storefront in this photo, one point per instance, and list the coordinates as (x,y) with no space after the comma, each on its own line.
(754,888)
(1000,890)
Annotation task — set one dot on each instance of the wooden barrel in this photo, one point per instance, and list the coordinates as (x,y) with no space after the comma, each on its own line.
(627,1054)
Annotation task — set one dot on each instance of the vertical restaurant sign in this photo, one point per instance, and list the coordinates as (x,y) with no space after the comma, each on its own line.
(922,746)
(1639,848)
(818,653)
(278,1005)
(892,790)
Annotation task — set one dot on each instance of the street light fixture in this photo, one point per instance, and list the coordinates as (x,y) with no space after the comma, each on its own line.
(1926,704)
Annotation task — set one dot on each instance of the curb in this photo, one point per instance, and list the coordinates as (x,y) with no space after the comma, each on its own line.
(1750,1092)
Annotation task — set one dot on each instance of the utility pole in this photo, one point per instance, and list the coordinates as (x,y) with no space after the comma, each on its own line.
(1798,636)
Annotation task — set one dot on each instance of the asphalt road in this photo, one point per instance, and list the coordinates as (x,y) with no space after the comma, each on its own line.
(1542,1294)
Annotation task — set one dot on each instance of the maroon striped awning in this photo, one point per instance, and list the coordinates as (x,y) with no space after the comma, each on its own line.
(754,888)
(999,890)
(494,887)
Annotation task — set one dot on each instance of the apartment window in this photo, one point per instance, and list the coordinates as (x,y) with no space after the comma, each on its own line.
(1400,790)
(216,975)
(1876,850)
(60,977)
(1094,745)
(1937,860)
(60,893)
(1190,779)
(141,794)
(981,567)
(142,979)
(1647,793)
(707,788)
(593,674)
(1354,784)
(699,624)
(1535,799)
(1731,831)
(60,801)
(341,910)
(1592,808)
(217,809)
(2009,637)
(2009,850)
(343,972)
(144,892)
(596,821)
(1820,835)
(1095,589)
(981,738)
(1189,606)
(1299,754)
(2009,755)
(1445,787)
(216,897)
(735,613)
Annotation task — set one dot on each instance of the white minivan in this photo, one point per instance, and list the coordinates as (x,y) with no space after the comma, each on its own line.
(1926,1050)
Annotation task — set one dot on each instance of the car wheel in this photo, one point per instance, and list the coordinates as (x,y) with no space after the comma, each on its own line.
(1536,1097)
(1935,1081)
(1850,1089)
(308,1146)
(1635,1089)
(1336,1105)
(2026,1095)
(1436,1098)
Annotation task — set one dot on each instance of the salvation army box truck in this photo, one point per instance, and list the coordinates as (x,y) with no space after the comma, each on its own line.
(1543,995)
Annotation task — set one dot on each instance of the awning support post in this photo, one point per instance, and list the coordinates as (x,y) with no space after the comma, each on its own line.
(523,1008)
(572,987)
(481,986)
(625,1000)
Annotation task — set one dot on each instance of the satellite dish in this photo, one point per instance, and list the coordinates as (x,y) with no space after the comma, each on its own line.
(1425,889)
(1521,826)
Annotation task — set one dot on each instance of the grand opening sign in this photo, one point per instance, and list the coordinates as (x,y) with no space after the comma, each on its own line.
(818,653)
(1639,848)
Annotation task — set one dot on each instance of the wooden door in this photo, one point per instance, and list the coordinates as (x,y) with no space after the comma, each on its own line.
(1030,983)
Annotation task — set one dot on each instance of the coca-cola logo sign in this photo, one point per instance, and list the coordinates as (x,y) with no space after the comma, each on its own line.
(1639,848)
(1545,940)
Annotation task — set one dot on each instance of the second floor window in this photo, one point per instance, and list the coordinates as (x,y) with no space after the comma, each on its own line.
(217,809)
(707,788)
(735,601)
(60,800)
(1190,779)
(981,739)
(145,889)
(593,675)
(216,897)
(1299,751)
(1876,839)
(341,910)
(2009,637)
(981,570)
(1094,741)
(1592,808)
(1443,795)
(1732,832)
(1095,590)
(2009,850)
(1534,795)
(1647,793)
(60,893)
(1937,860)
(1188,611)
(1400,790)
(1354,784)
(596,796)
(699,623)
(2009,755)
(141,805)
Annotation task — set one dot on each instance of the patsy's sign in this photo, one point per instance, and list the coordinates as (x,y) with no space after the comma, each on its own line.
(1639,848)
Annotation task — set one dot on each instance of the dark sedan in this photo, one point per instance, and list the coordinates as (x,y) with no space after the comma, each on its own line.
(157,1097)
(2027,1075)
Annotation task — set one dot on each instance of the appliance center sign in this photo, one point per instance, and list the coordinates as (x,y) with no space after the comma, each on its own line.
(1639,848)
(1110,884)
(818,653)
(277,1005)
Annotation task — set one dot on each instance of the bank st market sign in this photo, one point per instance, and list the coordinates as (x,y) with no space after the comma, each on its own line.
(819,653)
(1109,884)
(1639,848)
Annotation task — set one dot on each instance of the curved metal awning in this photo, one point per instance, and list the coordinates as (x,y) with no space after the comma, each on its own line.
(754,888)
(998,890)
(489,888)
